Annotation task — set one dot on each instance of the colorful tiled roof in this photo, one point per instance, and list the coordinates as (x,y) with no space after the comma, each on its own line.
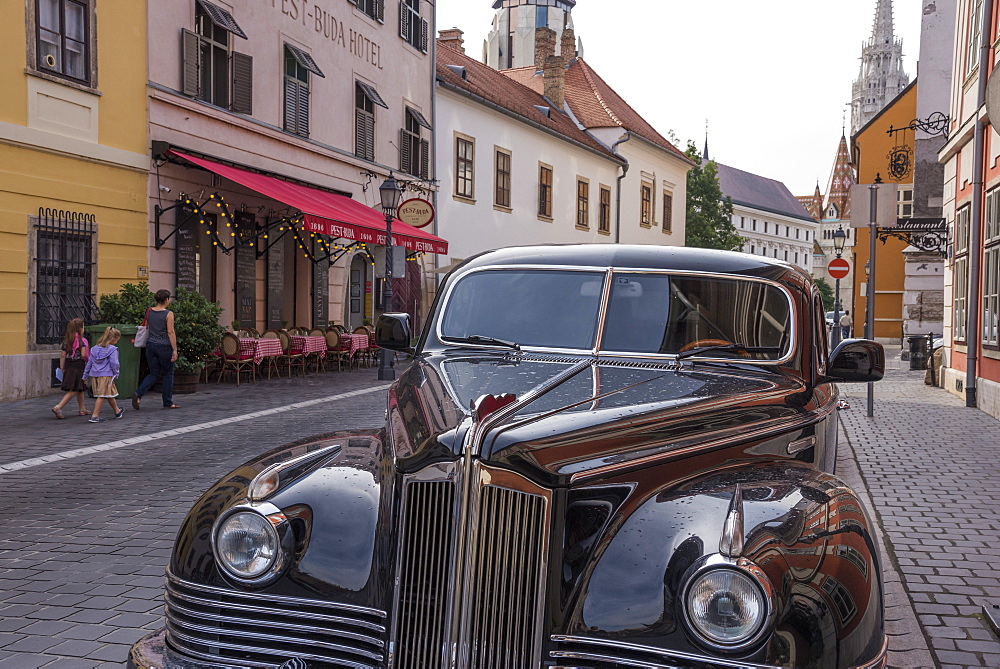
(841,180)
(491,86)
(595,103)
(760,192)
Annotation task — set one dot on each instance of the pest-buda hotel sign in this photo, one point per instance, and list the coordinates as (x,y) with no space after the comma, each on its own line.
(333,29)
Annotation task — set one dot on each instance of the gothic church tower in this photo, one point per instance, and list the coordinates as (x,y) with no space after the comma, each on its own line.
(511,42)
(881,78)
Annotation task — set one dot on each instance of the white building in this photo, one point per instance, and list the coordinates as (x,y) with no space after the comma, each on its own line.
(773,222)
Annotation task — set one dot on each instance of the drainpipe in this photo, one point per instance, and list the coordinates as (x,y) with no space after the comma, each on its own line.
(972,335)
(618,189)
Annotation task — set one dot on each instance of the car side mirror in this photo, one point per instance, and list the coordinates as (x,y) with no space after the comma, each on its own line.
(392,331)
(857,360)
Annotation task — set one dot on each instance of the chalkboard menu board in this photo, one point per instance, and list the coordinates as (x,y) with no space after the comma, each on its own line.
(275,285)
(245,284)
(321,293)
(186,264)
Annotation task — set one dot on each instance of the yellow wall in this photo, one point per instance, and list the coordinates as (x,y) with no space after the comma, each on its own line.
(870,151)
(99,169)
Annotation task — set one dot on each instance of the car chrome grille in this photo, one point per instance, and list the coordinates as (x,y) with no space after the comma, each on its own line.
(257,630)
(425,573)
(502,575)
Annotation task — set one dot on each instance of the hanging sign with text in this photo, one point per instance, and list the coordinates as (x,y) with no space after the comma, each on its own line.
(416,212)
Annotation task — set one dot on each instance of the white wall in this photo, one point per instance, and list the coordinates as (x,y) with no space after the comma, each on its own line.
(781,239)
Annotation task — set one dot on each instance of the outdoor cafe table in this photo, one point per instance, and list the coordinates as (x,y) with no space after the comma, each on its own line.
(310,344)
(355,343)
(260,348)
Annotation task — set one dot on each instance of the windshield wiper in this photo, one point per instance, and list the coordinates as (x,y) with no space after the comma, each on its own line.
(740,348)
(481,339)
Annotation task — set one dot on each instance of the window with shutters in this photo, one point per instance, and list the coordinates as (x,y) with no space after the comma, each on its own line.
(364,130)
(298,65)
(414,150)
(582,203)
(545,191)
(64,39)
(465,150)
(668,212)
(373,8)
(501,197)
(604,215)
(212,71)
(412,28)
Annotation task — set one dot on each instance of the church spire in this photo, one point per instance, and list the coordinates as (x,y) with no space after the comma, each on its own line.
(838,194)
(881,77)
(704,154)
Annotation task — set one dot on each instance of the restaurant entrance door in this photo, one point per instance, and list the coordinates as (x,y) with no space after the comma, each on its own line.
(357,298)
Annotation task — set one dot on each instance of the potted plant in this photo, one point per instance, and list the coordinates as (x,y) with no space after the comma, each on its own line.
(196,324)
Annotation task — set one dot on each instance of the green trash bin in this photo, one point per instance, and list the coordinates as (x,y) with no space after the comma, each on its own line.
(129,356)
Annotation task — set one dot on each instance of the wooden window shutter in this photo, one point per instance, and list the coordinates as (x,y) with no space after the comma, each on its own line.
(191,65)
(424,35)
(404,20)
(364,141)
(425,159)
(405,148)
(302,112)
(242,65)
(370,136)
(291,103)
(380,10)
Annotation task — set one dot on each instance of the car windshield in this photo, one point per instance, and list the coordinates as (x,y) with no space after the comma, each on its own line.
(543,308)
(661,313)
(651,313)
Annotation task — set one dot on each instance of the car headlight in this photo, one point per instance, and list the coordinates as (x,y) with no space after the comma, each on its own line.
(726,606)
(246,544)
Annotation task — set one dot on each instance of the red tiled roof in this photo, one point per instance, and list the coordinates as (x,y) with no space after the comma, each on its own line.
(595,103)
(489,84)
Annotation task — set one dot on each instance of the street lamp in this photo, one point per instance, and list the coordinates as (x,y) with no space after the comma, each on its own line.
(390,194)
(839,239)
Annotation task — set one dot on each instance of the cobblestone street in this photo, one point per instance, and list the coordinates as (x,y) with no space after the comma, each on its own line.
(93,509)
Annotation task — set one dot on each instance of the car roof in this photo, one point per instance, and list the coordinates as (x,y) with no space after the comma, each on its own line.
(626,256)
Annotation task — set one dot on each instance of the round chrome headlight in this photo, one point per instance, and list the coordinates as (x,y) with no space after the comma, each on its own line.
(246,544)
(726,606)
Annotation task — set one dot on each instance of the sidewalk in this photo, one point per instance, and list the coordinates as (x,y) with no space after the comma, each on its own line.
(932,468)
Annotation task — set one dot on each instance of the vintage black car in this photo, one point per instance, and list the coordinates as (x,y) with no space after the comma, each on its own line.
(599,456)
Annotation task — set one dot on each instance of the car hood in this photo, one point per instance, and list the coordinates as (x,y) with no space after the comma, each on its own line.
(599,414)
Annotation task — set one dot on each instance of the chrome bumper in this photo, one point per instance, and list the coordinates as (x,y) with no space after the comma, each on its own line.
(152,652)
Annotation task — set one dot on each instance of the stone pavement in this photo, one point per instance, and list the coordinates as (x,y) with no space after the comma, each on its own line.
(91,509)
(932,468)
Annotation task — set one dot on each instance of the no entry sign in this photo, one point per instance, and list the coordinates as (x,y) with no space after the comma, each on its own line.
(838,268)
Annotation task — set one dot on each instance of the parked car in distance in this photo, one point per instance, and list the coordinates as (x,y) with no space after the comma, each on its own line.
(600,456)
(829,319)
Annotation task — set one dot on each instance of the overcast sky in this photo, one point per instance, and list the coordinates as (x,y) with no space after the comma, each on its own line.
(772,78)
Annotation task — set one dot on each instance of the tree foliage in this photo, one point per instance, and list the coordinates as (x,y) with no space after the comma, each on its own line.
(826,291)
(709,222)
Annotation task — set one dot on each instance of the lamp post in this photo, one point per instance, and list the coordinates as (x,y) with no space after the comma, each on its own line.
(839,239)
(390,194)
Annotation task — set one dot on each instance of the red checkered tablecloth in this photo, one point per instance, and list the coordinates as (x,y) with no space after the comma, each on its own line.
(310,344)
(260,348)
(355,343)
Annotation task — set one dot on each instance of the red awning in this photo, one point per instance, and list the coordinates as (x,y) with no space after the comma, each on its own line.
(327,213)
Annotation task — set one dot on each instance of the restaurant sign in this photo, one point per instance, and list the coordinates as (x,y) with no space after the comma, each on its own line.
(367,235)
(416,212)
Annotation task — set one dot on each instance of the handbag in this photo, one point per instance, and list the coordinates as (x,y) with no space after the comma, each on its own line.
(142,332)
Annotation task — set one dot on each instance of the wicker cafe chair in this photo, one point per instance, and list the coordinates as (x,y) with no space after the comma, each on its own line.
(252,332)
(365,354)
(271,361)
(289,356)
(335,349)
(235,361)
(316,332)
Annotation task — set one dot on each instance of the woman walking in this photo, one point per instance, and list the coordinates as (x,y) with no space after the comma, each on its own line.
(161,352)
(72,362)
(102,370)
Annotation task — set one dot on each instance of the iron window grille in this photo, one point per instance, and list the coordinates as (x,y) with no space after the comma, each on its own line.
(412,28)
(211,70)
(64,266)
(414,152)
(64,38)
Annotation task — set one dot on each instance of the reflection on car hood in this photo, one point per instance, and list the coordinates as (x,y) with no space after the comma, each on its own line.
(608,411)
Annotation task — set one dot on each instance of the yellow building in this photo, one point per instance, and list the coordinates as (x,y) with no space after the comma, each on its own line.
(74,166)
(876,153)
